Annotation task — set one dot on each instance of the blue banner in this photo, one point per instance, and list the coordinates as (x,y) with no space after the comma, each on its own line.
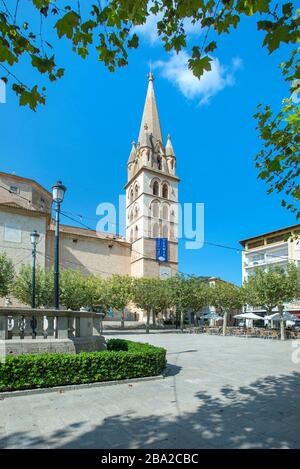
(162,249)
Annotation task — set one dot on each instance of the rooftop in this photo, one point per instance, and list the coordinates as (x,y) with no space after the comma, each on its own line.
(88,233)
(26,180)
(280,230)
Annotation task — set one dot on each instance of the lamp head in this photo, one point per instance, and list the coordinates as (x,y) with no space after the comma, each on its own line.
(58,192)
(34,238)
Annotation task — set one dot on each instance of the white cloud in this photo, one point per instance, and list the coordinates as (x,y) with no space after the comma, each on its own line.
(176,68)
(237,63)
(176,71)
(149,30)
(295,88)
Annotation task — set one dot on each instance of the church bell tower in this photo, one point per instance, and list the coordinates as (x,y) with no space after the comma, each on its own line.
(152,198)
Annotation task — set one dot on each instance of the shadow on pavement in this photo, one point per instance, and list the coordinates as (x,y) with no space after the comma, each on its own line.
(183,351)
(264,414)
(172,370)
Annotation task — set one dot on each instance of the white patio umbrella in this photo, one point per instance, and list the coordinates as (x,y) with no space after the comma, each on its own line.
(216,317)
(277,317)
(213,316)
(248,316)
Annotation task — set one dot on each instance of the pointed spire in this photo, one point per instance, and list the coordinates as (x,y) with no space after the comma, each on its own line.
(150,114)
(169,147)
(132,155)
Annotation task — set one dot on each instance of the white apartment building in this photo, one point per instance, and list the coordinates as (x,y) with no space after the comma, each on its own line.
(275,248)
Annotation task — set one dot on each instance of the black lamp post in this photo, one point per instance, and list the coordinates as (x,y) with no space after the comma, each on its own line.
(58,192)
(34,238)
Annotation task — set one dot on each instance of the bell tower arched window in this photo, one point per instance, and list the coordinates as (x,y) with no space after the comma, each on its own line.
(136,210)
(165,191)
(155,209)
(155,188)
(165,212)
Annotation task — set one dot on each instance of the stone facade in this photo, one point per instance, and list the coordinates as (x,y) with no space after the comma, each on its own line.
(15,228)
(91,252)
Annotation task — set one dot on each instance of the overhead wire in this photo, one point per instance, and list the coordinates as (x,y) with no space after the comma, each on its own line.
(65,214)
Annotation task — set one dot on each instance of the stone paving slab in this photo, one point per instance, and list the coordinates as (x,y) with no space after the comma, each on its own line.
(219,392)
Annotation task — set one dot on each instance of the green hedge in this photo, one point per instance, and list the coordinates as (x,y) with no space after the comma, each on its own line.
(117,344)
(58,369)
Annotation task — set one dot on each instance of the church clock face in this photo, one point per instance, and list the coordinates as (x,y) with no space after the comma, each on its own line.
(164,272)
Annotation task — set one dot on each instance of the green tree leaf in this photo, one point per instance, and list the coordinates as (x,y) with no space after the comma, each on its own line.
(199,66)
(67,24)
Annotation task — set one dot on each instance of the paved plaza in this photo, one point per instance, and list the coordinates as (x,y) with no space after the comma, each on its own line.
(219,392)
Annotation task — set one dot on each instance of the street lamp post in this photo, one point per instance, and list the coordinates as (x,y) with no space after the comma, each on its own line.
(58,192)
(34,238)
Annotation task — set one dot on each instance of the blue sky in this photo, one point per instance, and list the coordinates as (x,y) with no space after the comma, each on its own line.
(83,137)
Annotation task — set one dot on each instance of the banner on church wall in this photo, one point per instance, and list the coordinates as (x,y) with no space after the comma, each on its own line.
(162,249)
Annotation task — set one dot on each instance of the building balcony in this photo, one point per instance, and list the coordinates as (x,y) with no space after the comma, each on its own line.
(266,258)
(292,306)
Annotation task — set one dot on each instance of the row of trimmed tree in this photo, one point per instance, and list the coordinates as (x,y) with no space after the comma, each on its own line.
(180,294)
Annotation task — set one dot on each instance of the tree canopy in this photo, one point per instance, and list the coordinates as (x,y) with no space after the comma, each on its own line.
(109,29)
(119,291)
(148,295)
(6,274)
(22,287)
(75,289)
(271,288)
(187,295)
(278,162)
(225,297)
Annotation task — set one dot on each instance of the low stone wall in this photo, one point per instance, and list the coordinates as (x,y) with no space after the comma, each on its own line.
(26,346)
(32,331)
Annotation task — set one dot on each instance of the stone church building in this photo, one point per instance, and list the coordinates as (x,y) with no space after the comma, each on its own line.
(151,214)
(151,195)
